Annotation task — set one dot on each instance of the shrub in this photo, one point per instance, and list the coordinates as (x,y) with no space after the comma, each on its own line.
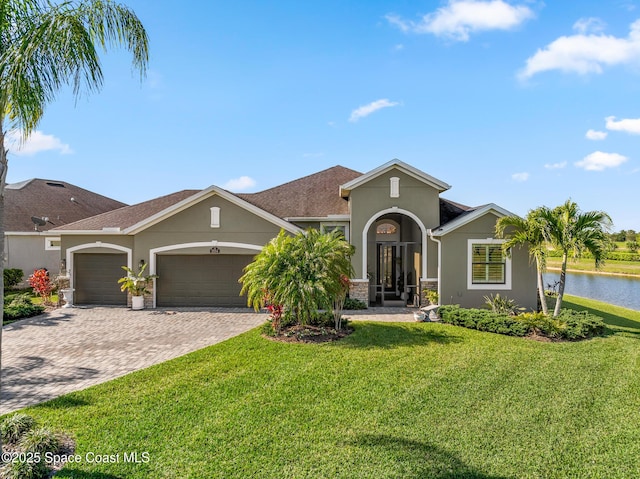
(581,324)
(12,277)
(483,320)
(19,306)
(501,304)
(42,285)
(15,426)
(40,440)
(569,325)
(22,468)
(353,304)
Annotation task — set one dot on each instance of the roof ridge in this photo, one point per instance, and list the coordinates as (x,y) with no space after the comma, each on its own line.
(301,178)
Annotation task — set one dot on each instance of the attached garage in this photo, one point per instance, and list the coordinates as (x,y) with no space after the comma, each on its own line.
(96,278)
(200,280)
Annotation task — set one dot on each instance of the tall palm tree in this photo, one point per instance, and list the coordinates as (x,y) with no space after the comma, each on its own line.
(574,233)
(46,46)
(529,232)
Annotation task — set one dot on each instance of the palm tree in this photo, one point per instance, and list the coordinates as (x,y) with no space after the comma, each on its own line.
(301,273)
(529,232)
(46,46)
(574,233)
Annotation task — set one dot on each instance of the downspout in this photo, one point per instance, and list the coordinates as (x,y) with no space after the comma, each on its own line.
(439,243)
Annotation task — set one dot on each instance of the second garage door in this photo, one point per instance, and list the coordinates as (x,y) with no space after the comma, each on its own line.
(200,280)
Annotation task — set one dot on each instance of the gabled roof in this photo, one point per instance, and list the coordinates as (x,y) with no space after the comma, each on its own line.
(56,202)
(128,216)
(312,196)
(439,185)
(136,218)
(469,216)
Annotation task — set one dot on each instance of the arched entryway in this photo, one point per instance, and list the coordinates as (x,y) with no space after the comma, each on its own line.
(393,244)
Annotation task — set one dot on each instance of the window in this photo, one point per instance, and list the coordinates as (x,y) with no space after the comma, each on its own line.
(386,229)
(52,244)
(395,187)
(329,227)
(489,267)
(215,217)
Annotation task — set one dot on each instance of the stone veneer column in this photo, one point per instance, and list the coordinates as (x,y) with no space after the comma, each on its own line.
(426,285)
(359,289)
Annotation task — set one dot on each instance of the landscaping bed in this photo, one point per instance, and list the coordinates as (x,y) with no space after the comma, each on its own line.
(569,325)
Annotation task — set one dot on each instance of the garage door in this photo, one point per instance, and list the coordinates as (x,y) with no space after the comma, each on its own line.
(96,278)
(200,280)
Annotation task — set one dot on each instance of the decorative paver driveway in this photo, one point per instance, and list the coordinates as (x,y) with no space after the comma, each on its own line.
(71,349)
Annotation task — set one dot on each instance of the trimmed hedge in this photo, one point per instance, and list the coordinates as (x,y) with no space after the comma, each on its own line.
(569,325)
(19,306)
(611,255)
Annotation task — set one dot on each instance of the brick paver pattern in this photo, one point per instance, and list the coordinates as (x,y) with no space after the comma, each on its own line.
(70,349)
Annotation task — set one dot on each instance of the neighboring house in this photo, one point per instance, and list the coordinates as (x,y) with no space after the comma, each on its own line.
(33,208)
(407,238)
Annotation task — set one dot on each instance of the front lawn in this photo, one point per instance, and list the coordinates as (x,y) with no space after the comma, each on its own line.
(403,400)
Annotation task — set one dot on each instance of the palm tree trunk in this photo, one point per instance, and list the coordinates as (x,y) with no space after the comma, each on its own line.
(3,177)
(543,298)
(563,276)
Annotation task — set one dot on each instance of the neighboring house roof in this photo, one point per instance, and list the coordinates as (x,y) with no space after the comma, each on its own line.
(439,185)
(128,216)
(313,196)
(55,202)
(469,216)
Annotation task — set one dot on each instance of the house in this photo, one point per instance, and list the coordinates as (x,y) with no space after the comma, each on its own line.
(406,236)
(33,208)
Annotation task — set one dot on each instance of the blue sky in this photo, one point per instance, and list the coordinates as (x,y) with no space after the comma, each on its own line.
(521,103)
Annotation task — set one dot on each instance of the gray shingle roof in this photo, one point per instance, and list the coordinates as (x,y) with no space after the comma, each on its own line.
(129,215)
(312,196)
(316,195)
(57,202)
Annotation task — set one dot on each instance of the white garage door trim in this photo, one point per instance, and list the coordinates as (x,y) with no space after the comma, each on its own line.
(98,244)
(201,244)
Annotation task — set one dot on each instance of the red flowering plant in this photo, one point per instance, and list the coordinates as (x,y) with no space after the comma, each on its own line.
(42,285)
(275,312)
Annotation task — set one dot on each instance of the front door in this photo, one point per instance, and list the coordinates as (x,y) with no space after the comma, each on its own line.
(390,275)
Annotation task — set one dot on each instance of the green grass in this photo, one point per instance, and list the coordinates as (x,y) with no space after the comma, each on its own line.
(404,400)
(610,266)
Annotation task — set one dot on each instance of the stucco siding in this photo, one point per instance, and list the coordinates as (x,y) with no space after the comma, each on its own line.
(455,258)
(367,200)
(193,225)
(28,253)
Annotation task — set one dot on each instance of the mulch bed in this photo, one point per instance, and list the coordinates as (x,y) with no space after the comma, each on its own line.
(310,334)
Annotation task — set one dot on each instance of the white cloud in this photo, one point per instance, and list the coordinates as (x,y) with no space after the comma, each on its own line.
(555,166)
(459,18)
(35,143)
(366,110)
(599,160)
(595,135)
(240,184)
(524,176)
(589,25)
(585,53)
(628,125)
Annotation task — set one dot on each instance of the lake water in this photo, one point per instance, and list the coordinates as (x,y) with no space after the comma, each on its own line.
(619,290)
